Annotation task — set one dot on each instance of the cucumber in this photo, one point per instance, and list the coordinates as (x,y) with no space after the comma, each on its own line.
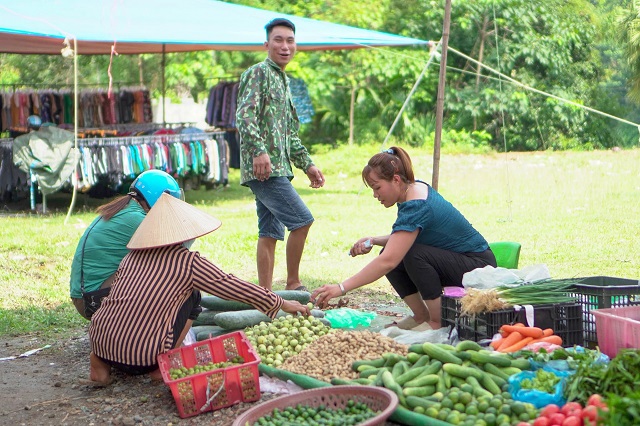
(371,372)
(374,363)
(413,357)
(440,386)
(424,380)
(492,369)
(400,368)
(419,391)
(235,320)
(416,348)
(468,345)
(389,383)
(206,317)
(441,354)
(521,363)
(510,371)
(497,379)
(456,381)
(462,372)
(416,401)
(210,331)
(485,358)
(464,355)
(490,385)
(410,374)
(478,390)
(377,381)
(434,367)
(447,379)
(216,303)
(424,360)
(199,328)
(438,396)
(391,359)
(367,382)
(337,381)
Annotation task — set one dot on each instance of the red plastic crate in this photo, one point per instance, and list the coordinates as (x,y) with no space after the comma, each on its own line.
(618,328)
(214,389)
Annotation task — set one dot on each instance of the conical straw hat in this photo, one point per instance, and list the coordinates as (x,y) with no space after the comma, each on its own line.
(171,221)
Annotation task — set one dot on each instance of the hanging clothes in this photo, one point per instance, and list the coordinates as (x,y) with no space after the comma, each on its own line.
(301,100)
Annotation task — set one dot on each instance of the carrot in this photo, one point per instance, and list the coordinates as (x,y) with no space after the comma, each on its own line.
(547,332)
(495,344)
(516,346)
(511,339)
(553,339)
(534,332)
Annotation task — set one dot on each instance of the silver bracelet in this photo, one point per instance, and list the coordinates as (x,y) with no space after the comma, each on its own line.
(342,289)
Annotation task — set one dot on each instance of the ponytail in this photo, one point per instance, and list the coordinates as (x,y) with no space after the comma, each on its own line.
(390,162)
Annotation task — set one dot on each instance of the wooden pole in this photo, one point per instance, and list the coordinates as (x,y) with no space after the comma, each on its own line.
(440,98)
(164,92)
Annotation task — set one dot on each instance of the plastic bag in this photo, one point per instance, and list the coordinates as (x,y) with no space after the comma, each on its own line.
(349,318)
(489,277)
(409,337)
(537,397)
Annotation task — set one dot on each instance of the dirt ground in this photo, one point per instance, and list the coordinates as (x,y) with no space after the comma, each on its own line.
(43,389)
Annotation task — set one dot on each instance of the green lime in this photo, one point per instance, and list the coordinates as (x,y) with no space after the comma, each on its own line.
(503,418)
(431,412)
(518,408)
(453,418)
(447,403)
(505,409)
(466,387)
(466,398)
(471,410)
(525,417)
(458,406)
(482,406)
(454,397)
(419,410)
(490,419)
(496,402)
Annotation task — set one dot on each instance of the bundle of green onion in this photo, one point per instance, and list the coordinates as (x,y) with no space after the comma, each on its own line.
(539,293)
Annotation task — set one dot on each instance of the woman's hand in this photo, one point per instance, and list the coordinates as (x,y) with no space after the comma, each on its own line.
(362,246)
(294,307)
(322,295)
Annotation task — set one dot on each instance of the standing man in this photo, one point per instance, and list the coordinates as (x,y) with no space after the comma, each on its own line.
(268,125)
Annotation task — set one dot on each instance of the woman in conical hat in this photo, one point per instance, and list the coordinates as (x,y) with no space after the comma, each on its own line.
(157,286)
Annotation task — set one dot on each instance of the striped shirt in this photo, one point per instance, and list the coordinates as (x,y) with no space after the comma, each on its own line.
(135,322)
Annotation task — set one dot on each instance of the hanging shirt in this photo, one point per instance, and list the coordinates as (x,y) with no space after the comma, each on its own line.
(268,123)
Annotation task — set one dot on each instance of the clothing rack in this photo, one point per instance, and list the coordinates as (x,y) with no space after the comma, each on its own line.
(147,139)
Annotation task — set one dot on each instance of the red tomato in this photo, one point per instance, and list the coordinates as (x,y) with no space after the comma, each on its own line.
(590,412)
(572,409)
(556,419)
(524,424)
(542,421)
(549,410)
(572,421)
(596,400)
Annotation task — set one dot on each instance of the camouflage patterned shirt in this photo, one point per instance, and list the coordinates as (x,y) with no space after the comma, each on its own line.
(268,123)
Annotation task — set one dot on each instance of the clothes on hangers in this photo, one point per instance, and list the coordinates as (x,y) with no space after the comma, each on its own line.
(95,109)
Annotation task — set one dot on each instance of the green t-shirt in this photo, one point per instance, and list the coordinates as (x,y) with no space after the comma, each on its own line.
(105,248)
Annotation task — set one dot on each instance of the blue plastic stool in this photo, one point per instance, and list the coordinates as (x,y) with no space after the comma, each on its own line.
(507,253)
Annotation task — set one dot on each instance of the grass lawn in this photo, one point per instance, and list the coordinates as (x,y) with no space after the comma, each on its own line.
(575,212)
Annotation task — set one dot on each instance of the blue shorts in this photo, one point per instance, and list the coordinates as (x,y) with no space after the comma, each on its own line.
(278,205)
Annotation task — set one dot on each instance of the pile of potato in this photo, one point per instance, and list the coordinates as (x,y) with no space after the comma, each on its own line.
(331,355)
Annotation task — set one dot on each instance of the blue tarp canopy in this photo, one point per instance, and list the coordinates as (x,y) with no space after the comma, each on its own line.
(146,26)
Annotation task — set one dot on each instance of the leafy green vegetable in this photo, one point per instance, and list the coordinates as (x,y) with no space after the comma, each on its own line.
(544,381)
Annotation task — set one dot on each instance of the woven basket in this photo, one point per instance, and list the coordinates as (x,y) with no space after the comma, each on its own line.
(332,397)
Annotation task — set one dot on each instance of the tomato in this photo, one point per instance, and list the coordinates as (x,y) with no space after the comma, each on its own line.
(556,419)
(590,412)
(572,421)
(572,409)
(524,424)
(549,410)
(596,400)
(542,421)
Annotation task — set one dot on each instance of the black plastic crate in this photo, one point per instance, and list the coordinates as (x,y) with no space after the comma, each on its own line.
(603,292)
(564,318)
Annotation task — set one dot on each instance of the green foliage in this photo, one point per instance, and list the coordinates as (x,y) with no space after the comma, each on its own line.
(585,51)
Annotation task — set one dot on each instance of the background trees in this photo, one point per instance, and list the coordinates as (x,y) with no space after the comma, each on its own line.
(582,50)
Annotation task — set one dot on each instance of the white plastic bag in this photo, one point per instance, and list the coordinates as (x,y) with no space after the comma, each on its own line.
(409,337)
(489,277)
